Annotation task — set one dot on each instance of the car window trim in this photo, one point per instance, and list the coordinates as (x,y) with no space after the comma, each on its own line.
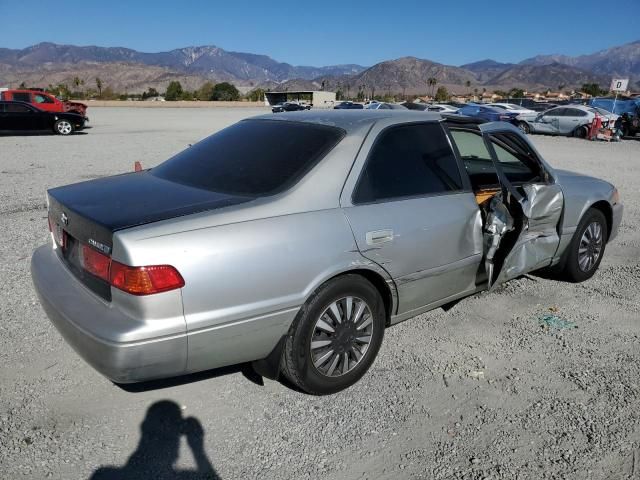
(543,171)
(423,195)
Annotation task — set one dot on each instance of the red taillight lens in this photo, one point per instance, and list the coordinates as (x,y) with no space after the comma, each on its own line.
(95,263)
(145,280)
(134,280)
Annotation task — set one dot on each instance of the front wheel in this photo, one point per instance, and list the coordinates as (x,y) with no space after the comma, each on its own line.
(63,127)
(336,336)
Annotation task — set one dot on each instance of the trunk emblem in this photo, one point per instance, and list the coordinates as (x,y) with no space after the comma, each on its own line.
(64,219)
(106,249)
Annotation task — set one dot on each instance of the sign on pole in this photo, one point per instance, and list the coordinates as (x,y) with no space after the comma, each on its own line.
(619,84)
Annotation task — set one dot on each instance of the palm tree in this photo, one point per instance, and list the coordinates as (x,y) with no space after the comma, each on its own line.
(468,83)
(432,82)
(99,85)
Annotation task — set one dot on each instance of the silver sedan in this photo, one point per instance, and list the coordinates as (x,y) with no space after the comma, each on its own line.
(569,120)
(293,241)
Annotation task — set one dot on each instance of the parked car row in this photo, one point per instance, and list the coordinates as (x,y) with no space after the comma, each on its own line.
(571,120)
(289,107)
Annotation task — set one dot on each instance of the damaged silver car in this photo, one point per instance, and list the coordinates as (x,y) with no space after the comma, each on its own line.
(293,241)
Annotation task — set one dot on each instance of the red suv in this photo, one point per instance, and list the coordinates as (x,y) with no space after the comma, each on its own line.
(44,101)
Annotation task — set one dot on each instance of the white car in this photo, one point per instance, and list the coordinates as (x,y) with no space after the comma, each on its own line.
(569,120)
(442,108)
(511,107)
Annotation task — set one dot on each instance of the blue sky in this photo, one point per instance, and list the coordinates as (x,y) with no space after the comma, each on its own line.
(331,32)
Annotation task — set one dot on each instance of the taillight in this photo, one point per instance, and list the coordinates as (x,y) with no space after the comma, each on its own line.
(145,280)
(95,263)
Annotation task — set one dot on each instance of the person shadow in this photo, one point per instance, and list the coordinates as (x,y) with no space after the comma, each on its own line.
(159,448)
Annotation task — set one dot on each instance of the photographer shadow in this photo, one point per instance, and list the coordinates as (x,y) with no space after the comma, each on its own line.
(159,448)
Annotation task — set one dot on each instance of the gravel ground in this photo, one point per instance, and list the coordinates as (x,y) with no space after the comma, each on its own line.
(480,392)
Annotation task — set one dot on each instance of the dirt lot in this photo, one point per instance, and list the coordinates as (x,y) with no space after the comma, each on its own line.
(482,391)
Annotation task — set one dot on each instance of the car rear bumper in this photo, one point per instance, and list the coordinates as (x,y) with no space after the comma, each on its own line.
(616,219)
(82,318)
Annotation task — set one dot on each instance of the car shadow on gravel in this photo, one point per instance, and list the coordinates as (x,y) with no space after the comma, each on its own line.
(35,133)
(245,369)
(159,448)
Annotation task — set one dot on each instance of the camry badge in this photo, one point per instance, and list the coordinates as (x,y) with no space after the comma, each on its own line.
(64,219)
(100,246)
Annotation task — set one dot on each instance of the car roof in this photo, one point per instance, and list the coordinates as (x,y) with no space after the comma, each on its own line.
(586,108)
(352,120)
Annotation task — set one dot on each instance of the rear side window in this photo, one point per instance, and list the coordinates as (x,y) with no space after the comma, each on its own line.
(408,161)
(556,112)
(22,97)
(519,163)
(16,108)
(252,157)
(574,112)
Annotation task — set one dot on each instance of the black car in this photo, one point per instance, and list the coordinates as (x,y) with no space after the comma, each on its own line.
(18,116)
(289,107)
(348,106)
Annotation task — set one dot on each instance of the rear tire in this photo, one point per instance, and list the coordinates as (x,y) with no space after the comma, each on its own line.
(63,127)
(581,132)
(524,127)
(584,254)
(322,362)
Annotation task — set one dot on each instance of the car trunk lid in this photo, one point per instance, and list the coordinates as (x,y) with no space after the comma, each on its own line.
(87,214)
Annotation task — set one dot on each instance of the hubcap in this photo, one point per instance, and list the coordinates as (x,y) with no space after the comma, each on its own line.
(590,247)
(64,128)
(341,336)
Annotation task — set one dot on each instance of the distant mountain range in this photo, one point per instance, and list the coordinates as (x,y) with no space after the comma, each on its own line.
(124,69)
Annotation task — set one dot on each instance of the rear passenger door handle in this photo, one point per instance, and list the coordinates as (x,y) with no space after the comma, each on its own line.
(379,237)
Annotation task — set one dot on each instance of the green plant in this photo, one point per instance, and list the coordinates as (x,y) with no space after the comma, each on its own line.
(174,91)
(225,91)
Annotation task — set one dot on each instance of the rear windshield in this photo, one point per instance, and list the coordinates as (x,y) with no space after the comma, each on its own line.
(252,157)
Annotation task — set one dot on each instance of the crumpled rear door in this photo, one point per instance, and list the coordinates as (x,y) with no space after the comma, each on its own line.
(538,237)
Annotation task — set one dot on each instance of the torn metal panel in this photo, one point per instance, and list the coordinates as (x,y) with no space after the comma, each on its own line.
(499,222)
(538,240)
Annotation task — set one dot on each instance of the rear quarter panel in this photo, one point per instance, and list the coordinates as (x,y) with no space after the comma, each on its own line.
(245,281)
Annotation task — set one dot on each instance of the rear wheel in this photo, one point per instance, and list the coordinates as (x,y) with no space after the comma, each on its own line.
(335,337)
(524,127)
(581,132)
(63,127)
(584,253)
